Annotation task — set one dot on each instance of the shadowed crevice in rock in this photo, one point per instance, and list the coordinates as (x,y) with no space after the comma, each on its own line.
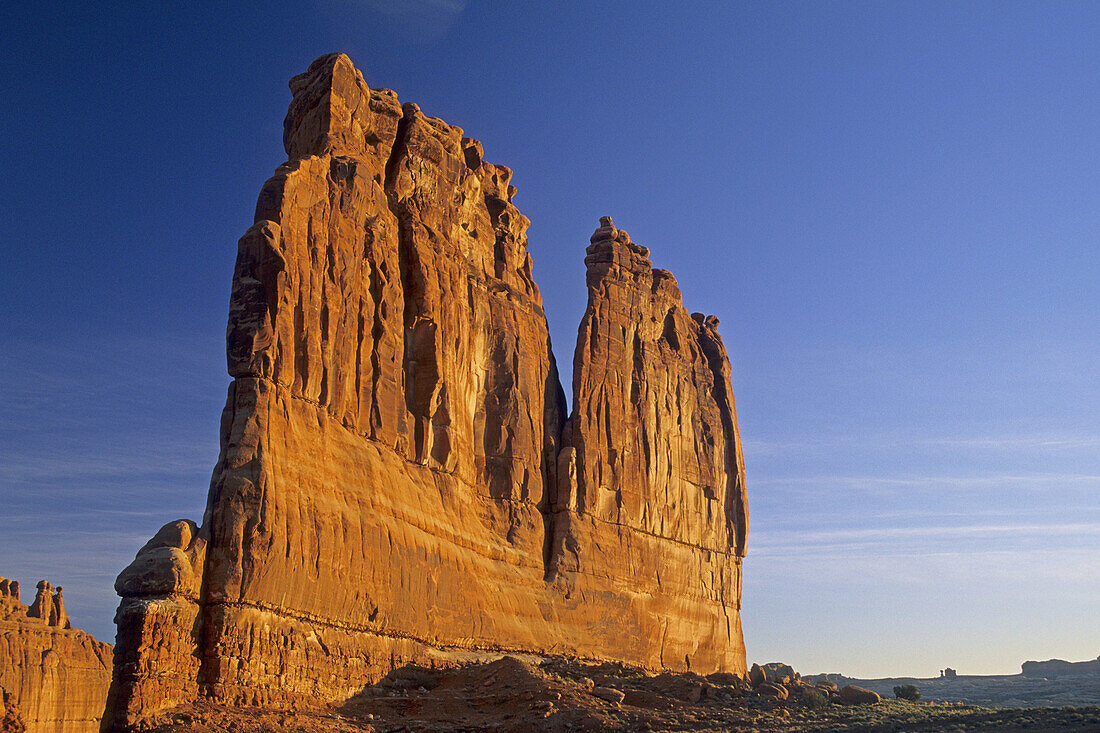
(736,503)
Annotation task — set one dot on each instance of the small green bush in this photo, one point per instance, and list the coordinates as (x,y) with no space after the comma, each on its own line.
(813,699)
(816,700)
(906,692)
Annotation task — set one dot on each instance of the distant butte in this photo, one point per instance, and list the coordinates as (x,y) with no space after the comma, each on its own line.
(399,480)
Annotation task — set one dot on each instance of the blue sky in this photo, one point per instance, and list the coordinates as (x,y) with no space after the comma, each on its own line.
(892,207)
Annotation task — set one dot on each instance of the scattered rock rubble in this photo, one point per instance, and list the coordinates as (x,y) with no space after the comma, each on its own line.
(562,695)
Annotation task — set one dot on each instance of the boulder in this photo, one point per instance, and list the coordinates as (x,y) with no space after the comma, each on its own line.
(779,672)
(855,695)
(756,675)
(610,694)
(725,678)
(772,689)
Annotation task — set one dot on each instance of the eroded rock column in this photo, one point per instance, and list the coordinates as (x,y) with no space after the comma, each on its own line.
(652,495)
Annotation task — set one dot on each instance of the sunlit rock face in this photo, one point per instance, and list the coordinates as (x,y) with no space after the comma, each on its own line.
(54,677)
(651,489)
(398,481)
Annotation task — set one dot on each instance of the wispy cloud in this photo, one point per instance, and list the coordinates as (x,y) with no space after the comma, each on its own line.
(1064,442)
(172,458)
(938,561)
(1038,442)
(888,483)
(803,540)
(938,558)
(102,441)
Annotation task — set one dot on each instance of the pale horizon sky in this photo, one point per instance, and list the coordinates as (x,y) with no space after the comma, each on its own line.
(892,208)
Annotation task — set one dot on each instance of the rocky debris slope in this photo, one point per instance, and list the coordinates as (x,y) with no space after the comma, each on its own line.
(566,696)
(10,719)
(780,681)
(56,676)
(398,479)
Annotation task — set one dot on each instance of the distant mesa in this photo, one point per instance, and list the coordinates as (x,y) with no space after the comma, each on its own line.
(1051,684)
(53,678)
(1060,668)
(400,480)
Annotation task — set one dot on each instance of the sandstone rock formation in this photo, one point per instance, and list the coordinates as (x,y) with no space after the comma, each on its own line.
(398,479)
(774,672)
(48,605)
(57,676)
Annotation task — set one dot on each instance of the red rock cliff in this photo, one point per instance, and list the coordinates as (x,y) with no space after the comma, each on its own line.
(55,677)
(397,481)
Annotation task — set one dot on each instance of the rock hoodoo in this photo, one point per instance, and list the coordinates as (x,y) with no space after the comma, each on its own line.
(55,677)
(398,479)
(48,605)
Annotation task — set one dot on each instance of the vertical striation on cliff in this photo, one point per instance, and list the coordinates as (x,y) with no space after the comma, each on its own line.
(397,480)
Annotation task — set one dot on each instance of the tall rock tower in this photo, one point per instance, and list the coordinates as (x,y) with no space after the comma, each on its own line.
(398,479)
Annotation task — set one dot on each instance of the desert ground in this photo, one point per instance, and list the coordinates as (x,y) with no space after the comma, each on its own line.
(561,696)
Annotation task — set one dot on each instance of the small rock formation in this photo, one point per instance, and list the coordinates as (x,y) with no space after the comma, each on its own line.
(43,602)
(772,689)
(58,617)
(776,672)
(781,681)
(48,604)
(56,676)
(155,659)
(399,481)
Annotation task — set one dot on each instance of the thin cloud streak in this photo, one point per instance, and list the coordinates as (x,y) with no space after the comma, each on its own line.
(938,571)
(1061,480)
(864,443)
(35,468)
(906,517)
(160,513)
(784,538)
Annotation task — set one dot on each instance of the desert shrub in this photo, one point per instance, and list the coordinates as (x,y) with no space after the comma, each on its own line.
(906,692)
(815,700)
